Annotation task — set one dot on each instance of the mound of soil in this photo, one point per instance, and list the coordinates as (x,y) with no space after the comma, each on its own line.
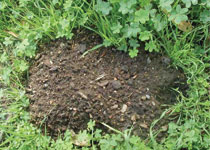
(66,90)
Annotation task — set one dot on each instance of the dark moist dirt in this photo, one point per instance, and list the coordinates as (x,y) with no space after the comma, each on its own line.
(66,91)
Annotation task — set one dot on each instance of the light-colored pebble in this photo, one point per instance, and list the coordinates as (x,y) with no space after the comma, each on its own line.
(124,108)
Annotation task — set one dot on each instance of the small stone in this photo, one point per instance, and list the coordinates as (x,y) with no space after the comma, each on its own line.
(166,60)
(37,56)
(148,96)
(124,108)
(72,85)
(122,119)
(81,48)
(149,60)
(114,49)
(116,85)
(114,107)
(54,68)
(62,45)
(144,98)
(45,85)
(130,82)
(124,68)
(88,110)
(134,117)
(165,128)
(103,83)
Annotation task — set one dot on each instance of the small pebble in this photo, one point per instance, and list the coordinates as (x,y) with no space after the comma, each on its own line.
(103,83)
(37,57)
(144,98)
(116,85)
(166,60)
(33,92)
(148,60)
(133,117)
(124,68)
(148,96)
(62,45)
(122,119)
(45,85)
(72,85)
(114,107)
(130,82)
(81,48)
(124,108)
(165,128)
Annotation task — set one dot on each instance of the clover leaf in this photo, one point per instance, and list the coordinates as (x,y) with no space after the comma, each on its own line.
(20,65)
(151,46)
(145,35)
(116,27)
(103,7)
(205,16)
(133,53)
(206,2)
(166,4)
(131,30)
(142,16)
(134,43)
(179,15)
(189,2)
(159,22)
(125,6)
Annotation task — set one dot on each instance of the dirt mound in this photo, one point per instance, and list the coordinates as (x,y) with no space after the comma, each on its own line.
(66,91)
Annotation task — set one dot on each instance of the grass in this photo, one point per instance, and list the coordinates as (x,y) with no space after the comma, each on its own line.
(26,24)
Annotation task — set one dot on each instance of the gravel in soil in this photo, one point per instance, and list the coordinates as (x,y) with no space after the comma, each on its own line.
(67,90)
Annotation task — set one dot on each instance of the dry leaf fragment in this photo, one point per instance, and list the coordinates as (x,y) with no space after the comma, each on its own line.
(12,33)
(82,95)
(185,26)
(144,125)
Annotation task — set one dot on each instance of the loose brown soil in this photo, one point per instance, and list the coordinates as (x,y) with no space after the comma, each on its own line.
(66,91)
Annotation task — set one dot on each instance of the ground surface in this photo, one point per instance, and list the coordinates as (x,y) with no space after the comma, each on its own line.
(66,91)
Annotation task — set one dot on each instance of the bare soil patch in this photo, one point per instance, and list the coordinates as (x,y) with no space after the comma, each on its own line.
(66,91)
